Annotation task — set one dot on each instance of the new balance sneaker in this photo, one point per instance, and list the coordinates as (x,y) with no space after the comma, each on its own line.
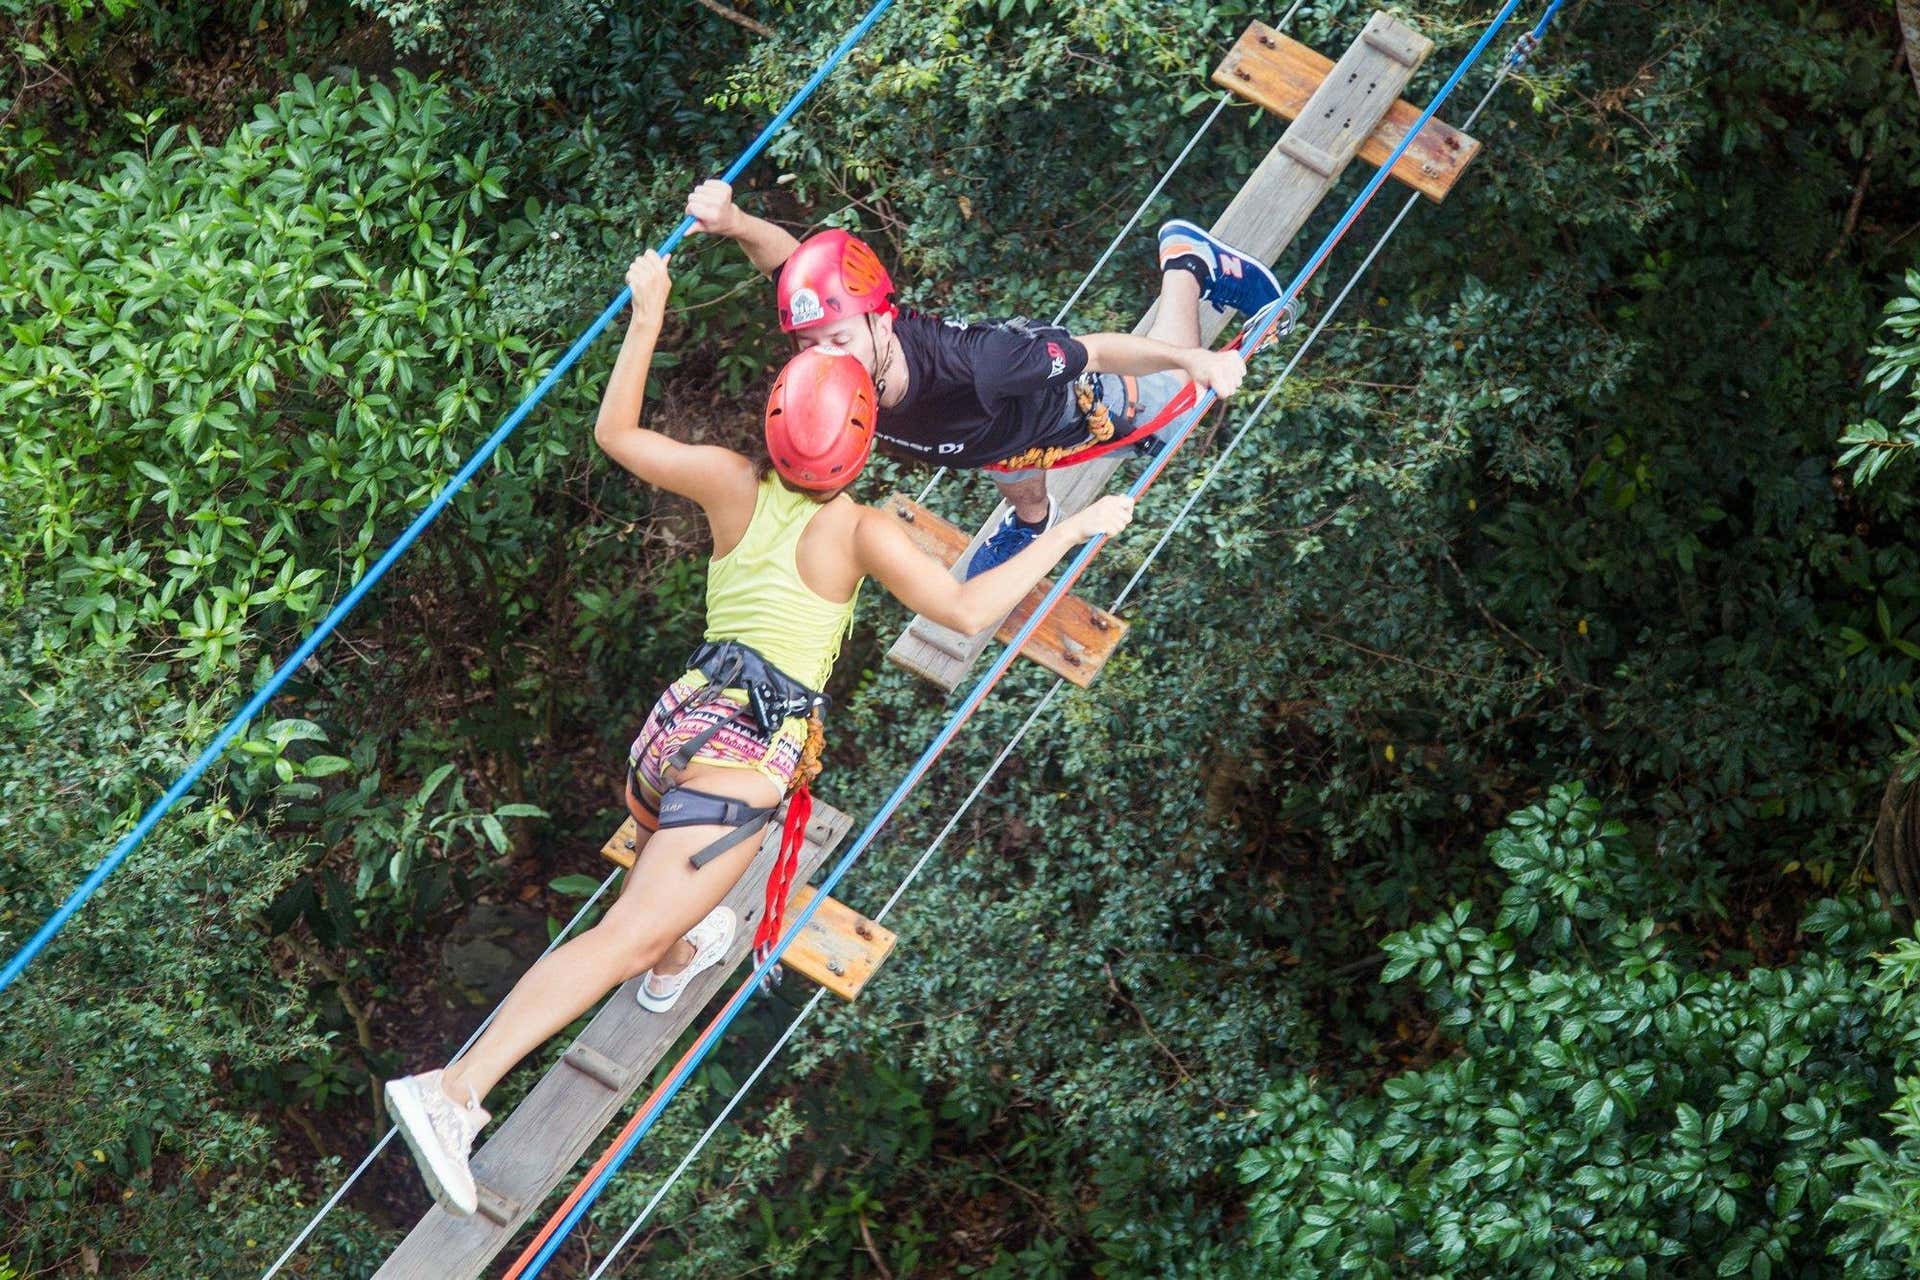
(1229,279)
(1009,540)
(441,1132)
(660,992)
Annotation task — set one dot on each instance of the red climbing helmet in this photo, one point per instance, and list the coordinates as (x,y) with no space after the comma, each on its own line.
(830,276)
(820,419)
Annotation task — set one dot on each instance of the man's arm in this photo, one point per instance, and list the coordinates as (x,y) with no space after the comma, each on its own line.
(711,476)
(714,212)
(1131,354)
(919,581)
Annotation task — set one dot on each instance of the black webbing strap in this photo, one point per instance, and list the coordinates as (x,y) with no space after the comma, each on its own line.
(753,826)
(686,807)
(693,746)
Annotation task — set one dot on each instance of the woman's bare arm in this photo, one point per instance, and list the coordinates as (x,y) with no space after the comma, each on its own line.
(918,581)
(713,477)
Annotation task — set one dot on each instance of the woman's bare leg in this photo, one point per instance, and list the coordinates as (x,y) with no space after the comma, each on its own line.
(662,899)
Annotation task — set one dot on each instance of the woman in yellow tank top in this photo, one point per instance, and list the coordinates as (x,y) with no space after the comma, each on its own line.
(790,550)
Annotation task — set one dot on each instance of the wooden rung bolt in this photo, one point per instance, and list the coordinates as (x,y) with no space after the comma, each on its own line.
(839,948)
(593,1064)
(497,1208)
(621,845)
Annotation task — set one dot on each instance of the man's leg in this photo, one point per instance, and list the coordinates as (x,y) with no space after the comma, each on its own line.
(1226,277)
(1026,493)
(1177,322)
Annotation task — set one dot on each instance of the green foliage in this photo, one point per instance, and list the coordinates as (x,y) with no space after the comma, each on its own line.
(124,1052)
(259,318)
(1615,1106)
(1554,499)
(1895,382)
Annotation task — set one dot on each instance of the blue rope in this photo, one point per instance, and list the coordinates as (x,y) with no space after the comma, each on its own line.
(225,737)
(1259,326)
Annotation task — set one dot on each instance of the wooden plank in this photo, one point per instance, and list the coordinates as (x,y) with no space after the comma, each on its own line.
(1281,74)
(1262,220)
(839,948)
(1076,639)
(528,1152)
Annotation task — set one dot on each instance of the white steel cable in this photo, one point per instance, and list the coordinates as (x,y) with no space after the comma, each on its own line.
(1040,707)
(381,1145)
(694,1151)
(1112,245)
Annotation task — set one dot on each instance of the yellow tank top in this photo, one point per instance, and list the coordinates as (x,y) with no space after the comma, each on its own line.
(755,595)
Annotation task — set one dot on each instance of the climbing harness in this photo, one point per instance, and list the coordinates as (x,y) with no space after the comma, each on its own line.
(773,698)
(1097,415)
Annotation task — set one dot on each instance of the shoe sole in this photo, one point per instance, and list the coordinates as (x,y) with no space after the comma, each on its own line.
(692,971)
(1192,242)
(409,1114)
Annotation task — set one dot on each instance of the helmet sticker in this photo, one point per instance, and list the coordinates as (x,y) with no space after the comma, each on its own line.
(806,308)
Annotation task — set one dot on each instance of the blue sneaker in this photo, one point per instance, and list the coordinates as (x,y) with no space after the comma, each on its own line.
(1008,541)
(1233,281)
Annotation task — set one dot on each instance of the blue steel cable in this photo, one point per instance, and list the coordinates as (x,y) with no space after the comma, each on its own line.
(159,809)
(1515,60)
(1258,329)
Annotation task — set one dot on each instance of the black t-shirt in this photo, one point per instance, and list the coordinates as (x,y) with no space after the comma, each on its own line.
(981,393)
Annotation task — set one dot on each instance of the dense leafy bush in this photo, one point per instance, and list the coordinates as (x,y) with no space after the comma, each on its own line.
(1612,1105)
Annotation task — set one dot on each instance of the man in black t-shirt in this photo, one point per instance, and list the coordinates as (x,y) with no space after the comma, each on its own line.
(1011,395)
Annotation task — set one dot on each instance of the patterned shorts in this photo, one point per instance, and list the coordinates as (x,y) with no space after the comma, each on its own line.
(739,745)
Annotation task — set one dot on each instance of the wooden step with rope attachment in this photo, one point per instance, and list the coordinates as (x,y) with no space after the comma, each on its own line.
(1074,642)
(1281,74)
(838,949)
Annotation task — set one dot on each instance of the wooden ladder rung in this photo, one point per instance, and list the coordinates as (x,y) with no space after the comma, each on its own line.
(839,948)
(1076,639)
(1281,74)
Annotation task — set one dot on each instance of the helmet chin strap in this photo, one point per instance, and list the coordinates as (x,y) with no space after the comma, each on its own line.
(882,362)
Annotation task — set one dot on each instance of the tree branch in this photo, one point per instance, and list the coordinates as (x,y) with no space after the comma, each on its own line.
(738,18)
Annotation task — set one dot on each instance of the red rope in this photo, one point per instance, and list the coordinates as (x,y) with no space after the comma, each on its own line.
(793,836)
(1182,401)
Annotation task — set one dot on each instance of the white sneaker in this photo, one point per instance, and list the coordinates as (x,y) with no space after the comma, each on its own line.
(441,1132)
(710,939)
